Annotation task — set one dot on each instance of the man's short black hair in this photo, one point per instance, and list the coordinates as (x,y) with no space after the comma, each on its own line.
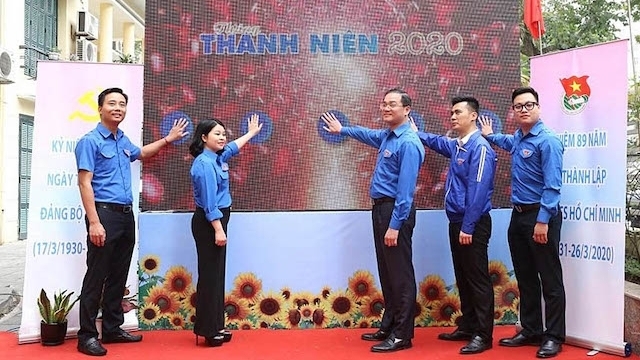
(524,90)
(405,99)
(472,102)
(108,91)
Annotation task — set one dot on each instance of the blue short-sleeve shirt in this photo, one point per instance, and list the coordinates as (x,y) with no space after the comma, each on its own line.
(109,158)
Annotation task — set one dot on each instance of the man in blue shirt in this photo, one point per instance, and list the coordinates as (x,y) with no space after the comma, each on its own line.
(534,231)
(103,158)
(468,192)
(400,156)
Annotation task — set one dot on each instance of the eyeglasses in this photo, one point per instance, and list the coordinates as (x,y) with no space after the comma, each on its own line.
(529,105)
(392,105)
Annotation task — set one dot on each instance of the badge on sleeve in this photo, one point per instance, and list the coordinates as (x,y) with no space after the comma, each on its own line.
(127,152)
(225,166)
(386,153)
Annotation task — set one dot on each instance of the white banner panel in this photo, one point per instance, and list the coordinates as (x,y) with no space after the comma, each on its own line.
(66,109)
(583,97)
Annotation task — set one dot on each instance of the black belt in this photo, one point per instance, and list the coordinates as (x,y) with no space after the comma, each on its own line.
(384,199)
(522,208)
(115,207)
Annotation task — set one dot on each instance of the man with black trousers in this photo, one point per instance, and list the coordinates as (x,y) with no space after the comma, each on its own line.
(468,192)
(400,156)
(534,230)
(103,158)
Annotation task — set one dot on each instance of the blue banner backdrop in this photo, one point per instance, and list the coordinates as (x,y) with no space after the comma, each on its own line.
(307,270)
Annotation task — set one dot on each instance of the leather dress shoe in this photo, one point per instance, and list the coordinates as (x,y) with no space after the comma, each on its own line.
(390,345)
(549,349)
(520,340)
(376,336)
(455,336)
(91,347)
(476,346)
(120,336)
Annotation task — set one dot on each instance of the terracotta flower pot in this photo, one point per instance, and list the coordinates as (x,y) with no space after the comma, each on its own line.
(52,334)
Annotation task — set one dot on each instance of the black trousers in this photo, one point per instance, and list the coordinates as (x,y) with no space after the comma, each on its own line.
(395,268)
(539,272)
(211,274)
(471,267)
(108,267)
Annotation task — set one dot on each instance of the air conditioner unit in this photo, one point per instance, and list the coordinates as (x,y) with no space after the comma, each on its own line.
(7,66)
(86,50)
(87,25)
(117,46)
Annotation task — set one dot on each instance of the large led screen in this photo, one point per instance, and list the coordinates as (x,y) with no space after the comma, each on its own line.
(291,61)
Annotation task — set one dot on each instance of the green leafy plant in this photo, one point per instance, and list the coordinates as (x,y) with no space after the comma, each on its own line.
(125,59)
(57,313)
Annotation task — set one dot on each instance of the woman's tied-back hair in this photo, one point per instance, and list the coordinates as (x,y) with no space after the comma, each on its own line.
(204,127)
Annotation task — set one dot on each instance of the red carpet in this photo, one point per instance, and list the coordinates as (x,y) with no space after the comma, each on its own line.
(331,344)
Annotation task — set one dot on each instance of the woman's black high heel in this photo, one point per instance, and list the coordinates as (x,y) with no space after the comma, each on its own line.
(227,335)
(214,341)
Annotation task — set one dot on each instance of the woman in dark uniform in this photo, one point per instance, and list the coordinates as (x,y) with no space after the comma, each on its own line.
(210,180)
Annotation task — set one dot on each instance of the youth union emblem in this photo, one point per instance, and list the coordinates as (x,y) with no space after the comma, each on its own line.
(577,93)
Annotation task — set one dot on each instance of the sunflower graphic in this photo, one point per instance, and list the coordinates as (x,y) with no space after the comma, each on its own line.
(320,319)
(456,317)
(247,286)
(150,264)
(498,313)
(149,314)
(498,273)
(363,323)
(269,306)
(286,292)
(421,312)
(236,308)
(163,299)
(361,284)
(326,291)
(306,311)
(177,321)
(447,307)
(372,306)
(507,294)
(293,318)
(432,289)
(246,325)
(191,317)
(342,305)
(178,280)
(189,301)
(515,305)
(302,298)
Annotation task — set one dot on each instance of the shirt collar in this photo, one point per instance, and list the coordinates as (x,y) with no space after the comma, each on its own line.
(463,141)
(401,129)
(105,132)
(535,129)
(210,154)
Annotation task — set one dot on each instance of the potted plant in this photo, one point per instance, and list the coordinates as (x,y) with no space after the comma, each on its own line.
(125,59)
(53,327)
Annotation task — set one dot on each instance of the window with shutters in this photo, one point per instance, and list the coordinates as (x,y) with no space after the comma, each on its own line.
(24,162)
(40,32)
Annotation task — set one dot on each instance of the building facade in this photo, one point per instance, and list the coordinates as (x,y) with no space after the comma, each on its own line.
(49,30)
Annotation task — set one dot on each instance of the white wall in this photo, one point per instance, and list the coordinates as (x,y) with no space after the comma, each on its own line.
(19,97)
(11,37)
